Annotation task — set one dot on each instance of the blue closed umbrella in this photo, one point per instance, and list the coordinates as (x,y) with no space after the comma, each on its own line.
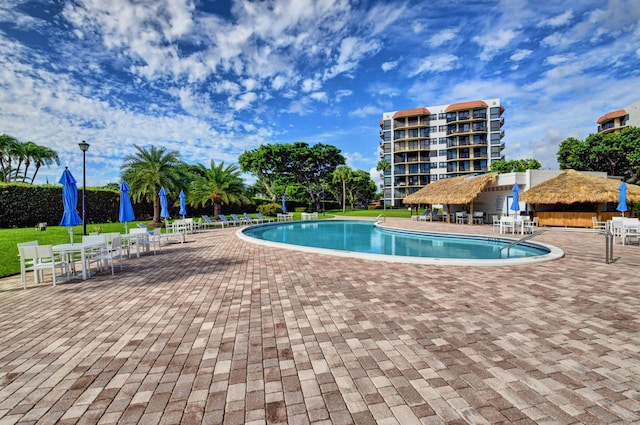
(70,217)
(515,203)
(622,205)
(183,204)
(164,204)
(284,205)
(126,209)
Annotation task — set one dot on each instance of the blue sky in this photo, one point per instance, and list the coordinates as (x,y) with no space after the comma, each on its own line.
(211,79)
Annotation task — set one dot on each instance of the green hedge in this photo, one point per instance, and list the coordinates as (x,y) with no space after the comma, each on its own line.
(25,205)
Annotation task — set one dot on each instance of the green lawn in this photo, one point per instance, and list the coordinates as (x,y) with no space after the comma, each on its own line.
(9,239)
(53,235)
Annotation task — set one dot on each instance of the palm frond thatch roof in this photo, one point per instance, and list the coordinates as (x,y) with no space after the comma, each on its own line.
(455,191)
(572,187)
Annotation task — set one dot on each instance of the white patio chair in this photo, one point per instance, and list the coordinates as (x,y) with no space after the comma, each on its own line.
(495,221)
(38,258)
(530,226)
(598,225)
(508,223)
(112,252)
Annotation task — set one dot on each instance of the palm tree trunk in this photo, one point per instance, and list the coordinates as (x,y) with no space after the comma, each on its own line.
(156,209)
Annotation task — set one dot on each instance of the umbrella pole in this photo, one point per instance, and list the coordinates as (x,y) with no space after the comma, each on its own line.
(126,227)
(71,234)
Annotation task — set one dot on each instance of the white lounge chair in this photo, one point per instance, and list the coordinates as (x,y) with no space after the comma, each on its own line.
(263,218)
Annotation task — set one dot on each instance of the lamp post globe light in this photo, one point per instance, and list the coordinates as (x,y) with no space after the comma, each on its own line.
(84,147)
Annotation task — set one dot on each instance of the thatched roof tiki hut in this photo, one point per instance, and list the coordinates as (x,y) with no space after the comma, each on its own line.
(461,190)
(572,187)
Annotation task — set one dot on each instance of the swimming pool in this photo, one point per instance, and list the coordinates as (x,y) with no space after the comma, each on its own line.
(365,239)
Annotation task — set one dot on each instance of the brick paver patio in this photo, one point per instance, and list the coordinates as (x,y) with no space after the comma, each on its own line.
(223,331)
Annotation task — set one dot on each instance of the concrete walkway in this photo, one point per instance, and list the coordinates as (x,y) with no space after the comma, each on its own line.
(223,331)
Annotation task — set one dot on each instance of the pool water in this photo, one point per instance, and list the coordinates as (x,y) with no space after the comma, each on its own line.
(365,237)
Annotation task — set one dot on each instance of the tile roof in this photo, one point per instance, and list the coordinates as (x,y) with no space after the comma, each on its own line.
(611,115)
(411,112)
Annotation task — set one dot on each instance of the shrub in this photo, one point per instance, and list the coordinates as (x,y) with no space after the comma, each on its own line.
(271,208)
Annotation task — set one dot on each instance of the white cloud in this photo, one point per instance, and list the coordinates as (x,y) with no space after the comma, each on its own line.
(558,20)
(244,101)
(443,36)
(495,41)
(436,63)
(366,111)
(352,51)
(520,54)
(309,85)
(320,96)
(388,66)
(340,94)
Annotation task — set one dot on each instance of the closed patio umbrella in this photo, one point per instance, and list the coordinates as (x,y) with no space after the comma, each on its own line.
(164,204)
(622,205)
(183,204)
(515,203)
(70,217)
(126,209)
(284,205)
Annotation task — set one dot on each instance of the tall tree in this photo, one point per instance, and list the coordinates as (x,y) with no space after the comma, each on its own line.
(16,158)
(266,163)
(354,185)
(8,148)
(614,153)
(45,156)
(148,170)
(217,184)
(284,165)
(383,166)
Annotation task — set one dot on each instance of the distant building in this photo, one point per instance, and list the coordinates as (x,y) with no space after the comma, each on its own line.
(614,122)
(437,142)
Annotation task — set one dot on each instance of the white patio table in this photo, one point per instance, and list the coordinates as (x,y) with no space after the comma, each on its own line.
(68,249)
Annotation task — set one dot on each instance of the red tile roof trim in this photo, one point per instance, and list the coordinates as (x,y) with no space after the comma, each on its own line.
(466,105)
(611,115)
(411,112)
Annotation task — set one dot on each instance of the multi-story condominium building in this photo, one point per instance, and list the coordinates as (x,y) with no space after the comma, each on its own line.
(423,145)
(614,122)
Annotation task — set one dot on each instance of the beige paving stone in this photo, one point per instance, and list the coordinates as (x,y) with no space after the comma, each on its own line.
(222,331)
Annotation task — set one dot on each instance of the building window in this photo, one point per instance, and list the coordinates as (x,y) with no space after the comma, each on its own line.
(495,113)
(495,151)
(399,169)
(480,113)
(413,168)
(386,125)
(424,132)
(442,152)
(442,140)
(495,138)
(442,116)
(398,134)
(424,168)
(387,136)
(495,125)
(413,132)
(414,145)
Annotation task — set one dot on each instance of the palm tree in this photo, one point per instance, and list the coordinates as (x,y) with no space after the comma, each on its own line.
(383,166)
(44,156)
(8,147)
(218,184)
(147,171)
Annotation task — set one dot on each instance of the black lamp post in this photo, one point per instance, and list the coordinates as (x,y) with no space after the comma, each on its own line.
(84,147)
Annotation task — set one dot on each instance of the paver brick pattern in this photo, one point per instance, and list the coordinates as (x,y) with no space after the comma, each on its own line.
(221,331)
